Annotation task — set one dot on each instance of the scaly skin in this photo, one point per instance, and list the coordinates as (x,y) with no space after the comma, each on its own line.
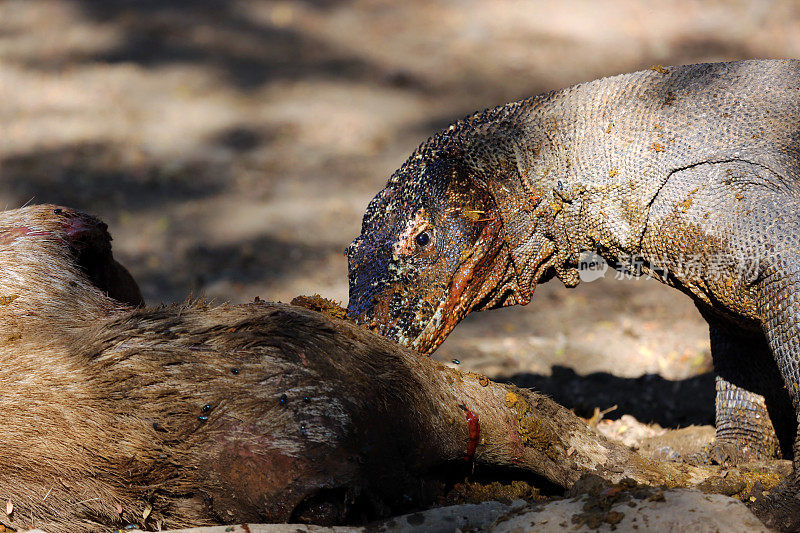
(692,173)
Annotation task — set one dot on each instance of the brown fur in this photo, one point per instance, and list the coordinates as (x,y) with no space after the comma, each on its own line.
(191,415)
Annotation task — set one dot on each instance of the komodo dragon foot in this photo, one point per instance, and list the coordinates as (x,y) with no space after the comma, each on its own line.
(727,453)
(780,508)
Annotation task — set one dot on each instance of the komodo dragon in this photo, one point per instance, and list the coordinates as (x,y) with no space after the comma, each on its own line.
(689,174)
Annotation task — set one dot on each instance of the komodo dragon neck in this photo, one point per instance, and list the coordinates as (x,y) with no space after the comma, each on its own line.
(596,155)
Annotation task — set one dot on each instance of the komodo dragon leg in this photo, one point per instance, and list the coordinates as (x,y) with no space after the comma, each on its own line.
(780,289)
(749,403)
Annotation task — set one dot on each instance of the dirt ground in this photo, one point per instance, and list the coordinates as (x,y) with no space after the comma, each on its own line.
(232,147)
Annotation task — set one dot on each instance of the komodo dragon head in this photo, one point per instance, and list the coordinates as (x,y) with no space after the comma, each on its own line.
(433,246)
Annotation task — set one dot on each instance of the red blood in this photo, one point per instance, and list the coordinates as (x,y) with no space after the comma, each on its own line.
(474,430)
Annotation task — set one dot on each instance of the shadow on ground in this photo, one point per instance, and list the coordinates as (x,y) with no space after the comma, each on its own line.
(218,35)
(259,261)
(649,398)
(104,178)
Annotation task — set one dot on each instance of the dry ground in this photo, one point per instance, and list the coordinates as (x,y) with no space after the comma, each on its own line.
(233,145)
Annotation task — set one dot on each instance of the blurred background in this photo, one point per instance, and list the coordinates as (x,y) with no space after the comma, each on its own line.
(232,147)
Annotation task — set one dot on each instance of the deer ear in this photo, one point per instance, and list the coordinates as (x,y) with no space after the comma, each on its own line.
(90,244)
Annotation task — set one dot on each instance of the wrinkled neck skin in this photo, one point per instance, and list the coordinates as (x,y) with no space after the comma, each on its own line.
(524,162)
(541,199)
(586,164)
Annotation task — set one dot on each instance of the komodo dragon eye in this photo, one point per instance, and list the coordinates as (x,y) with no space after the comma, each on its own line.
(423,239)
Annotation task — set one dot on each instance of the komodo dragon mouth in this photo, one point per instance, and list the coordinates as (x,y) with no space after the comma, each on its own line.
(474,286)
